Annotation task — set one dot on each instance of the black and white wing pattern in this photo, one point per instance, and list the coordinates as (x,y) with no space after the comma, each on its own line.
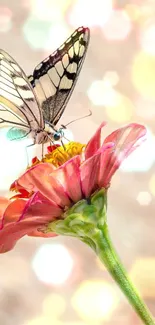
(18,104)
(54,78)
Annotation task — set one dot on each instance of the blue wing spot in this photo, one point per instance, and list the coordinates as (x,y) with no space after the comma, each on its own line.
(16,134)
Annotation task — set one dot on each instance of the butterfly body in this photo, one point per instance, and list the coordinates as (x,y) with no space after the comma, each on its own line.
(47,134)
(32,106)
(41,136)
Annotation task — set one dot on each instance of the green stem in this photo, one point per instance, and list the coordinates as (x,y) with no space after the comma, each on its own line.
(86,220)
(108,256)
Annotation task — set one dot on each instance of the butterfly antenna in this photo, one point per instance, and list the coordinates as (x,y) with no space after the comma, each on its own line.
(77,119)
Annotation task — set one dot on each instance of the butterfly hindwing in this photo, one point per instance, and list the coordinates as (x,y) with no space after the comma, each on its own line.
(54,78)
(17,134)
(18,104)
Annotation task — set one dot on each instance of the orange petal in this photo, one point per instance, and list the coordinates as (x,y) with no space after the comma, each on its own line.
(69,176)
(37,233)
(89,174)
(94,143)
(90,170)
(13,211)
(35,176)
(3,205)
(39,208)
(22,218)
(12,232)
(37,179)
(125,142)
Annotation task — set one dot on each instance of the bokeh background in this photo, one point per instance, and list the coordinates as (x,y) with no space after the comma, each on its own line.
(60,281)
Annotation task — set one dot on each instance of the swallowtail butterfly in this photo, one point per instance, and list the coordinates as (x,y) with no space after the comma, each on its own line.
(33,105)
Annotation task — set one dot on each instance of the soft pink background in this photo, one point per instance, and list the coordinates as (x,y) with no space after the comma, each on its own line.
(117,83)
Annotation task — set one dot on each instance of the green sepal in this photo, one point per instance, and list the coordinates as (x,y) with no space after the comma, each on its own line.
(84,219)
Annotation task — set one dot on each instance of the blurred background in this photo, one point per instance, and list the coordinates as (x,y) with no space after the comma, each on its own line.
(60,281)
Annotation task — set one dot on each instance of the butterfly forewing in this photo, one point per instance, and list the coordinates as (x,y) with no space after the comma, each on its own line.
(54,78)
(18,104)
(26,104)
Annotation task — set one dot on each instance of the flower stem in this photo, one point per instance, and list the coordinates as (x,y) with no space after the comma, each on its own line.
(86,220)
(108,256)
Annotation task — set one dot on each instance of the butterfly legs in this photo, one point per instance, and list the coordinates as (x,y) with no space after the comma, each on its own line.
(63,145)
(27,156)
(42,151)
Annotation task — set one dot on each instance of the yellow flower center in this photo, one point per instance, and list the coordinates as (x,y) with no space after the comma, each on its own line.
(61,154)
(57,156)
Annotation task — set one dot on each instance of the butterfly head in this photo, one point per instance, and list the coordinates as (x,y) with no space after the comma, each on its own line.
(52,134)
(58,135)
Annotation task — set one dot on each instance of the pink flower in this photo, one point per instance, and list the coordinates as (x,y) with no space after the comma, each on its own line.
(53,190)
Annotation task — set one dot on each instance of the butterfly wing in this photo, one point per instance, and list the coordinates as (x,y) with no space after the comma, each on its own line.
(17,133)
(54,78)
(18,104)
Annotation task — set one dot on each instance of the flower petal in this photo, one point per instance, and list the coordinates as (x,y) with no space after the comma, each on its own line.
(125,142)
(89,174)
(37,179)
(26,218)
(4,202)
(90,170)
(12,232)
(38,207)
(13,211)
(34,177)
(69,176)
(37,233)
(94,143)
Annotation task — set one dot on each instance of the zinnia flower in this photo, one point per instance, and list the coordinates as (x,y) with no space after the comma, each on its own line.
(67,194)
(51,190)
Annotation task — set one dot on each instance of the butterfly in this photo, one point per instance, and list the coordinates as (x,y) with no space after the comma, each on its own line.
(32,106)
